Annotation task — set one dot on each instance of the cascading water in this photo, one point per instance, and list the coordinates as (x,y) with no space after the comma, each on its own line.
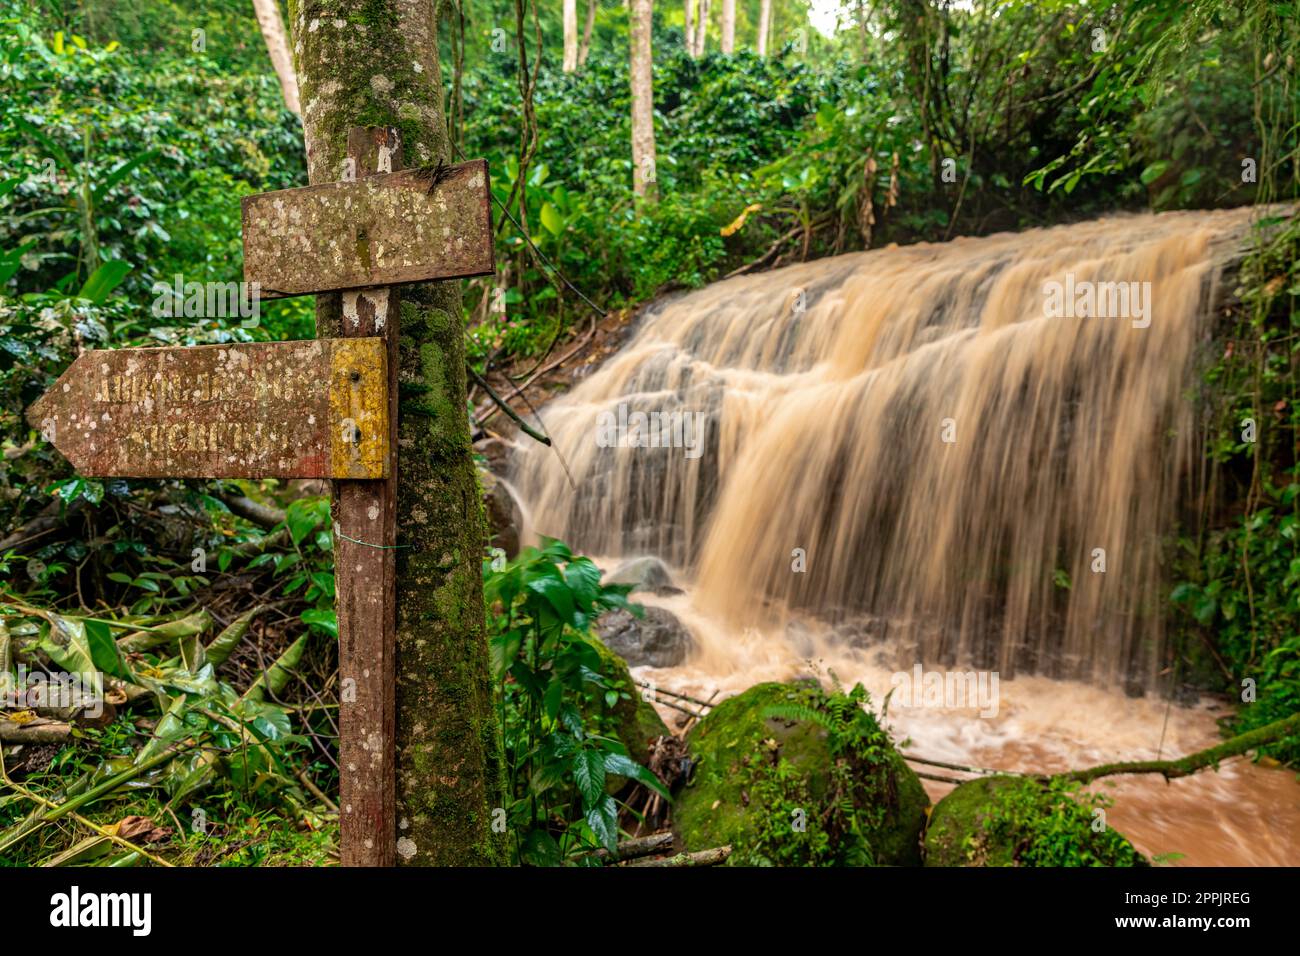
(952,458)
(940,453)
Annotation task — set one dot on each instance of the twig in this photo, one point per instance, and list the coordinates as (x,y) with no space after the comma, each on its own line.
(684,710)
(673,693)
(938,776)
(523,425)
(955,766)
(37,732)
(483,414)
(768,256)
(316,791)
(690,723)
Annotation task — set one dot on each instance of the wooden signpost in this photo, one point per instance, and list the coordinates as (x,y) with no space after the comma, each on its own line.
(323,408)
(314,409)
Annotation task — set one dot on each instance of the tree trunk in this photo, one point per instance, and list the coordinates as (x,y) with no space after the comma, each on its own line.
(585,47)
(268,18)
(701,27)
(728,26)
(862,27)
(642,78)
(643,123)
(688,31)
(764,23)
(570,62)
(375,63)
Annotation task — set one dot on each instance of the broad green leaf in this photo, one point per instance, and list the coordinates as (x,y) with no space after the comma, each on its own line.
(552,220)
(323,618)
(589,775)
(603,820)
(104,280)
(1154,171)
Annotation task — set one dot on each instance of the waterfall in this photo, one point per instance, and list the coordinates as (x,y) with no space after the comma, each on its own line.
(975,447)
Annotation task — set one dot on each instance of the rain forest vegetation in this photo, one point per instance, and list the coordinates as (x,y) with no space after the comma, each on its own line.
(130,130)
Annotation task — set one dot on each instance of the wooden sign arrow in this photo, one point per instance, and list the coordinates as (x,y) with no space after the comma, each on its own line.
(415,225)
(313,409)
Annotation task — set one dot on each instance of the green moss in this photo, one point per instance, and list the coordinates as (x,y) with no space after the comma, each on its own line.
(1018,821)
(786,774)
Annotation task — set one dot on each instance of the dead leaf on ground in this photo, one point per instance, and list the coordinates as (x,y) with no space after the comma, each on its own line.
(141,830)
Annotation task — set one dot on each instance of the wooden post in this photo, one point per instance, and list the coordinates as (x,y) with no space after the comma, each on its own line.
(365,541)
(328,408)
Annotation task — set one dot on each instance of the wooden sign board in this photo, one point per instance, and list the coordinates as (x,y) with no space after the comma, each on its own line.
(410,226)
(313,409)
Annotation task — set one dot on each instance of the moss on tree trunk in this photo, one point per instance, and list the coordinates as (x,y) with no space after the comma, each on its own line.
(375,63)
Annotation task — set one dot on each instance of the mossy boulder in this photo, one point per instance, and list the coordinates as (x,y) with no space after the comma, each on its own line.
(1020,821)
(788,775)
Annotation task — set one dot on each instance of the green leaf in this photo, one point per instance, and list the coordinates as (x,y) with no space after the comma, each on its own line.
(552,699)
(275,678)
(603,820)
(224,643)
(589,775)
(68,646)
(540,849)
(322,618)
(103,649)
(1154,171)
(503,649)
(624,766)
(302,517)
(104,280)
(583,578)
(556,591)
(552,220)
(1203,608)
(120,172)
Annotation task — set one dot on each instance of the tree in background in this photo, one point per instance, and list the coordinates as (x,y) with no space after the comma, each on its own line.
(643,122)
(696,13)
(268,19)
(570,61)
(764,25)
(728,26)
(585,47)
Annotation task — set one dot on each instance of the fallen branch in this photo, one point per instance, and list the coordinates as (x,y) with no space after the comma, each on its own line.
(267,516)
(684,710)
(52,517)
(701,858)
(639,846)
(939,777)
(673,693)
(1185,766)
(38,731)
(957,766)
